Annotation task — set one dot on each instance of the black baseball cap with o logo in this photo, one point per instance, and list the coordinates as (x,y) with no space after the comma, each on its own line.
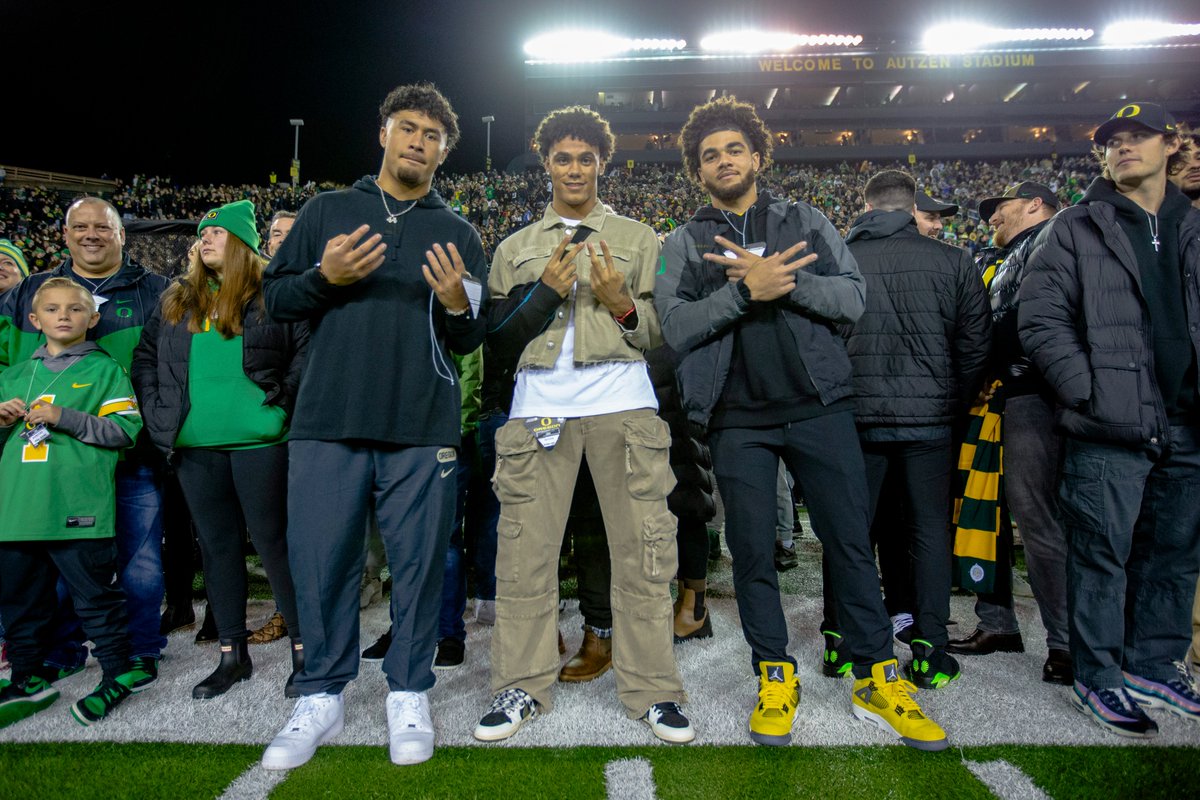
(1148,115)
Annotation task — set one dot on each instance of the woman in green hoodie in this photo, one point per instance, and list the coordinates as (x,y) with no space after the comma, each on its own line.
(218,379)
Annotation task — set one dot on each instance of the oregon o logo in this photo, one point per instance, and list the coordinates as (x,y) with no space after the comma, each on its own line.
(545,422)
(211,215)
(1131,110)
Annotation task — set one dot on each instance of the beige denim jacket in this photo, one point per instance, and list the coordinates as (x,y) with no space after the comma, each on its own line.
(518,265)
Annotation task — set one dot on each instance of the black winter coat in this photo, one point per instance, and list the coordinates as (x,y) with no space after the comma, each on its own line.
(1009,362)
(1084,322)
(272,355)
(920,349)
(691,460)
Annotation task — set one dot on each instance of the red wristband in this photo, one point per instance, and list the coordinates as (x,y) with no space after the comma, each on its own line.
(621,319)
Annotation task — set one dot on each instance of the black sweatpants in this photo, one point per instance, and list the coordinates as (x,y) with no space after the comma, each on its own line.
(824,456)
(29,572)
(330,486)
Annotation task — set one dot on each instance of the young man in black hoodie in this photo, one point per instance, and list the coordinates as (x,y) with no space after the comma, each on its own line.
(1110,313)
(749,292)
(380,272)
(918,351)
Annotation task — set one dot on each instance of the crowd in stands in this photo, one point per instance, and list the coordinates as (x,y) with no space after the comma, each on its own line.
(498,204)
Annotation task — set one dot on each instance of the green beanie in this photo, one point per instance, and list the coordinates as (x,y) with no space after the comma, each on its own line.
(238,219)
(9,249)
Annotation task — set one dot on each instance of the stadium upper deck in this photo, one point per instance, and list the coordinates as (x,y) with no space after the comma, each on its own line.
(878,101)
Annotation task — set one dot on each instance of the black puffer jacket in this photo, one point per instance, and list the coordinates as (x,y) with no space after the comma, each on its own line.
(690,458)
(1084,322)
(920,349)
(272,356)
(1009,362)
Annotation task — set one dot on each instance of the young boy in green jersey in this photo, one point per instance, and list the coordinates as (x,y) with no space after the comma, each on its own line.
(64,416)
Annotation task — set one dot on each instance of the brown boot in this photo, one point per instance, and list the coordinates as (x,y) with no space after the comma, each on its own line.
(272,629)
(593,660)
(691,617)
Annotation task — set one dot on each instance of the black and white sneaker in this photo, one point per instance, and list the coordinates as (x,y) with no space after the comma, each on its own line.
(509,710)
(669,724)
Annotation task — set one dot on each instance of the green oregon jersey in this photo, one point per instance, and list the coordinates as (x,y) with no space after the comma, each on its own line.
(63,488)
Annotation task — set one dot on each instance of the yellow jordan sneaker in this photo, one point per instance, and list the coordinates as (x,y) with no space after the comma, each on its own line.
(778,696)
(885,701)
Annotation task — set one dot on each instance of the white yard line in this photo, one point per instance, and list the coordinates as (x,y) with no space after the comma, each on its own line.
(1006,781)
(255,783)
(629,779)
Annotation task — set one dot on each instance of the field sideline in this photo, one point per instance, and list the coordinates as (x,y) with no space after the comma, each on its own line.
(164,744)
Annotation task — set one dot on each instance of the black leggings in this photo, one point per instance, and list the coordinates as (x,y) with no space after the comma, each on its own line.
(223,488)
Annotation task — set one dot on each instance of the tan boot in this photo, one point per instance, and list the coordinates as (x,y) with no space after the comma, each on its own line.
(274,628)
(691,617)
(593,660)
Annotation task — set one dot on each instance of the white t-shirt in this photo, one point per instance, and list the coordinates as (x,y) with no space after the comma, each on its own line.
(574,391)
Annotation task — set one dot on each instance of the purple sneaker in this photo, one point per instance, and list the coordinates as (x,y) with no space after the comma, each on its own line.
(1177,695)
(1115,710)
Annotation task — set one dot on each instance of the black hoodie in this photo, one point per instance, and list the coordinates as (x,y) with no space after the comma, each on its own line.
(378,365)
(1161,272)
(767,384)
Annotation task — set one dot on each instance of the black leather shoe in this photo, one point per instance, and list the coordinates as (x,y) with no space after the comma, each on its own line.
(234,666)
(1058,669)
(981,643)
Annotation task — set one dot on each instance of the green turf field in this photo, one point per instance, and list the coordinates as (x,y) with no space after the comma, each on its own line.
(181,772)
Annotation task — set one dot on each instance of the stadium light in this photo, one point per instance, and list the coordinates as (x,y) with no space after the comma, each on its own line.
(960,37)
(1137,31)
(751,41)
(592,45)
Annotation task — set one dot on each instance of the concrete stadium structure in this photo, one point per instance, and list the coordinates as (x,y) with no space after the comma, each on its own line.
(883,101)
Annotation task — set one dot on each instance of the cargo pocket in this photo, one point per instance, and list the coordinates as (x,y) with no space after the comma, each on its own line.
(647,458)
(508,549)
(1081,488)
(660,555)
(515,480)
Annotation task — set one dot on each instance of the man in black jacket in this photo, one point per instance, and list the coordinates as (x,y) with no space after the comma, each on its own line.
(1110,313)
(380,272)
(918,352)
(749,292)
(1031,449)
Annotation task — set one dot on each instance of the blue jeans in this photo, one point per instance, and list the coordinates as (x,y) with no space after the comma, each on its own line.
(484,558)
(454,584)
(1132,521)
(139,528)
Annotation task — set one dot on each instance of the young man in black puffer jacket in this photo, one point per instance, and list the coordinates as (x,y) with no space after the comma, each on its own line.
(1110,313)
(918,352)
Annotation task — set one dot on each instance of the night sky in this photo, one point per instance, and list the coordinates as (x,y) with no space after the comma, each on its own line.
(203,91)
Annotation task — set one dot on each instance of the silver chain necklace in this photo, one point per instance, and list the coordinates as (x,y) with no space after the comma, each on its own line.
(392,217)
(1152,221)
(745,224)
